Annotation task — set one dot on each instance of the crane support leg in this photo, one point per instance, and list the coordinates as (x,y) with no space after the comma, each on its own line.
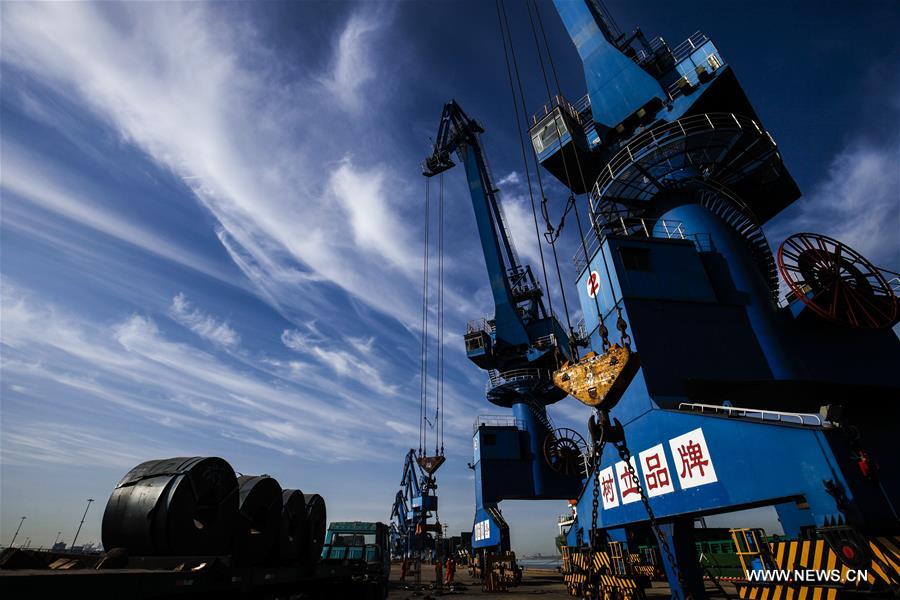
(684,560)
(794,517)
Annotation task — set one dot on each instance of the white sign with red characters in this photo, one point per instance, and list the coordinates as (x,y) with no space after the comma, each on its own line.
(693,464)
(628,483)
(608,488)
(655,467)
(592,284)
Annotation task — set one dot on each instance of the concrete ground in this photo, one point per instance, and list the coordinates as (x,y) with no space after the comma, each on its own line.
(535,582)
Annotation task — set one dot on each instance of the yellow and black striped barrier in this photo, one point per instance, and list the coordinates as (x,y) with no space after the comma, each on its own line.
(792,559)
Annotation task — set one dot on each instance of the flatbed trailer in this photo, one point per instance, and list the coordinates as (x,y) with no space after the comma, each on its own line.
(188,577)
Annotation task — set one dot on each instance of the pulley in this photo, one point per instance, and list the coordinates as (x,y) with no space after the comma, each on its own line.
(566,452)
(836,282)
(599,380)
(430,464)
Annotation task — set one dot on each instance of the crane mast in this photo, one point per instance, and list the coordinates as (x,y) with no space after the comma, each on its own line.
(506,341)
(519,346)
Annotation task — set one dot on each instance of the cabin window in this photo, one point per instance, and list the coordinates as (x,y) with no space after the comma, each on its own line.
(635,259)
(548,131)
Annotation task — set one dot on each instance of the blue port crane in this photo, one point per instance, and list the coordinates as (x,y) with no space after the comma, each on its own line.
(743,396)
(519,345)
(415,503)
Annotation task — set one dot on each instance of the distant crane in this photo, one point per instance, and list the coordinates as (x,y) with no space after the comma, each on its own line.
(414,504)
(86,508)
(16,534)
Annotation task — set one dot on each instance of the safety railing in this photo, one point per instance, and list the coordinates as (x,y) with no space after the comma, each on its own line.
(518,375)
(685,48)
(546,341)
(477,325)
(496,421)
(643,55)
(628,227)
(810,419)
(666,133)
(573,110)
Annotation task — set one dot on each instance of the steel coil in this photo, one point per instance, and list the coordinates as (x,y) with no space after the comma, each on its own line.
(260,520)
(316,522)
(293,543)
(173,507)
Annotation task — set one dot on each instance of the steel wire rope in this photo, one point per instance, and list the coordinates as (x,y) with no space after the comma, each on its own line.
(601,326)
(501,10)
(439,401)
(515,104)
(423,387)
(623,335)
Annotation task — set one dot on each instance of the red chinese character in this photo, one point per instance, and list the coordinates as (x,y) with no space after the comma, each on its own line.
(656,474)
(691,457)
(609,492)
(629,483)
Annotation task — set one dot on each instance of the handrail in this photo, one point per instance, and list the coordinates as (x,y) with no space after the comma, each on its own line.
(559,100)
(682,50)
(808,419)
(668,132)
(630,226)
(478,325)
(497,421)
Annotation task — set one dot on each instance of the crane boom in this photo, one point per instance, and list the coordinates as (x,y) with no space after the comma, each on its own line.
(520,317)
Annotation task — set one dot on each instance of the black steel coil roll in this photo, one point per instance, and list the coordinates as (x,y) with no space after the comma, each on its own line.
(173,507)
(316,522)
(293,543)
(260,520)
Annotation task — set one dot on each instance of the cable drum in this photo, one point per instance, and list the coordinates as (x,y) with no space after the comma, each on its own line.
(260,520)
(316,521)
(173,507)
(293,544)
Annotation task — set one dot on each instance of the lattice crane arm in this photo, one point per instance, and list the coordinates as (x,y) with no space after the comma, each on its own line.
(457,133)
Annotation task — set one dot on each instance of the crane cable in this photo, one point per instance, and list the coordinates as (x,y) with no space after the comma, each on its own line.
(439,398)
(621,324)
(524,159)
(501,12)
(423,387)
(424,408)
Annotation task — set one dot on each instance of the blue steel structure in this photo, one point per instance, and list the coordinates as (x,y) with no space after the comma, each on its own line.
(744,398)
(684,175)
(414,504)
(519,346)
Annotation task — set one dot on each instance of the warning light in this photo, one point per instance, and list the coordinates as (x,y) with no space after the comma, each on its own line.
(848,552)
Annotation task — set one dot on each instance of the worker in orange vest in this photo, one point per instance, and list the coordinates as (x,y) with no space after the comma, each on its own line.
(451,571)
(438,573)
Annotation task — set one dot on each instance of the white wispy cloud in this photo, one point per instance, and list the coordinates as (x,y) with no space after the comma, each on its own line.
(347,365)
(352,67)
(29,178)
(202,99)
(132,370)
(201,323)
(510,178)
(857,202)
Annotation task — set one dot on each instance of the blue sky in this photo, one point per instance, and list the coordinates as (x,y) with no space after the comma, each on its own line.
(212,225)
